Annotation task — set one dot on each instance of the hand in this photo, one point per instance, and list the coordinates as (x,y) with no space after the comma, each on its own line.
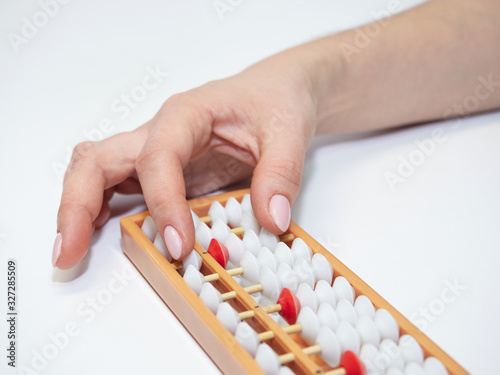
(261,120)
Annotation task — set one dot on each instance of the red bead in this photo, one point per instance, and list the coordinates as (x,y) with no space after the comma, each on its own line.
(290,306)
(352,364)
(219,252)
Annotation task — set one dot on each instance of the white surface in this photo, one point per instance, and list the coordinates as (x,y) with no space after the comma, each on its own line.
(438,227)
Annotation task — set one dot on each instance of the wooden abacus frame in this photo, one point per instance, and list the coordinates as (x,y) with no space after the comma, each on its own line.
(210,333)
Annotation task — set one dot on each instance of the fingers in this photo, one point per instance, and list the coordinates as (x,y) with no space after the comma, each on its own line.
(94,168)
(160,170)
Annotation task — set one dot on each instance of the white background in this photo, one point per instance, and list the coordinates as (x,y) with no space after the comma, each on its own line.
(439,226)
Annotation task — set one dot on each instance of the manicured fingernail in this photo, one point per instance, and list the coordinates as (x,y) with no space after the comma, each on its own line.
(173,242)
(279,207)
(56,251)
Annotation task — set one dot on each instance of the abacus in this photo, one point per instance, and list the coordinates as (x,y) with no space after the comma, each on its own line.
(262,304)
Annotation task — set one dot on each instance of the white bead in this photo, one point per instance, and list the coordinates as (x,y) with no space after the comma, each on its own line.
(414,369)
(387,325)
(247,337)
(249,222)
(346,312)
(257,297)
(301,250)
(309,324)
(433,366)
(368,330)
(411,349)
(368,355)
(194,278)
(393,358)
(160,245)
(325,294)
(149,228)
(235,248)
(267,259)
(328,316)
(306,296)
(330,346)
(271,287)
(194,259)
(228,316)
(288,278)
(251,267)
(211,297)
(364,306)
(284,254)
(323,269)
(394,371)
(286,371)
(233,212)
(246,203)
(268,239)
(203,235)
(217,211)
(348,337)
(343,289)
(304,272)
(252,242)
(267,359)
(220,230)
(196,219)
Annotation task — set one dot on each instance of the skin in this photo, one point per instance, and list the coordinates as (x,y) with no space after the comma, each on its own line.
(420,66)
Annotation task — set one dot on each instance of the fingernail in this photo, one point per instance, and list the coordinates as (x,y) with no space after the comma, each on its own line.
(279,207)
(56,251)
(173,242)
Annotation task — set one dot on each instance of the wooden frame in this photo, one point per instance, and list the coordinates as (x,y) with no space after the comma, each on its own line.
(213,337)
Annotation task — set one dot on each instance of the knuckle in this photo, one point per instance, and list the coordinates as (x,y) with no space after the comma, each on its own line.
(286,170)
(83,150)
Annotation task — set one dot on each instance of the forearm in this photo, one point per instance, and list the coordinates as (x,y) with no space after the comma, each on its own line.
(424,64)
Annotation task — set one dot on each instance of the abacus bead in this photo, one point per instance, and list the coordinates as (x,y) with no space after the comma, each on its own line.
(267,359)
(160,245)
(325,294)
(394,371)
(414,369)
(149,228)
(271,287)
(233,212)
(330,346)
(364,306)
(301,250)
(247,337)
(211,297)
(306,296)
(246,203)
(249,222)
(369,355)
(411,350)
(251,267)
(348,337)
(328,316)
(284,254)
(284,370)
(228,316)
(196,219)
(309,323)
(304,272)
(220,230)
(393,357)
(288,279)
(217,211)
(367,330)
(323,269)
(387,325)
(235,247)
(194,278)
(346,312)
(194,259)
(203,235)
(433,366)
(267,259)
(268,239)
(252,242)
(343,289)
